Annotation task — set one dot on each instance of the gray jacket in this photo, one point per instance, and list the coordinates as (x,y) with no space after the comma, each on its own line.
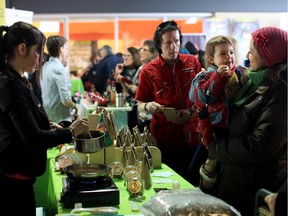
(55,86)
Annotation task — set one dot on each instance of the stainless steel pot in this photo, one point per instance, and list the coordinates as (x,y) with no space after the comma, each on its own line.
(90,143)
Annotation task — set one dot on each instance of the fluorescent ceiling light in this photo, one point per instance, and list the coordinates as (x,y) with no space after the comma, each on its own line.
(122,16)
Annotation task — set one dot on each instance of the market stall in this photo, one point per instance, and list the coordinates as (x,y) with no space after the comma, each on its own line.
(125,176)
(162,179)
(86,107)
(134,151)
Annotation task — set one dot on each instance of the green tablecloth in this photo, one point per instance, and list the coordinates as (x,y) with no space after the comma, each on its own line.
(48,188)
(43,187)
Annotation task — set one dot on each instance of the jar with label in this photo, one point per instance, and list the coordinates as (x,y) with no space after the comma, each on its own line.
(131,174)
(135,187)
(126,170)
(129,168)
(117,169)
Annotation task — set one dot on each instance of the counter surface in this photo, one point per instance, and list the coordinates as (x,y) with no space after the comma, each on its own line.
(124,206)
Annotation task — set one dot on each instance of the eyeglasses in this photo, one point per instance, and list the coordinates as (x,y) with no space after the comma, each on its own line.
(167,25)
(143,49)
(127,56)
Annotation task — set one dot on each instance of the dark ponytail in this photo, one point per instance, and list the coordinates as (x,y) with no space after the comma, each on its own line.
(20,32)
(3,31)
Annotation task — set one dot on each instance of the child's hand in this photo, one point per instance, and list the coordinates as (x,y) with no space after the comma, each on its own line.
(224,71)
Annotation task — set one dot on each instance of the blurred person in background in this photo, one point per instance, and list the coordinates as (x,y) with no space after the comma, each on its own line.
(119,55)
(77,89)
(88,75)
(126,77)
(105,68)
(183,50)
(165,82)
(194,50)
(26,132)
(55,84)
(147,52)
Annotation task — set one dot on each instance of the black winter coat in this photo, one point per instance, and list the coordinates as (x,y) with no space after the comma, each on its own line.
(24,128)
(254,155)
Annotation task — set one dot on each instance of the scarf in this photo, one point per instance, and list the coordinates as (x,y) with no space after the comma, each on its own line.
(255,80)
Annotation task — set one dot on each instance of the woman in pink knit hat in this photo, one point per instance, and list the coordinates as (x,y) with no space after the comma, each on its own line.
(253,155)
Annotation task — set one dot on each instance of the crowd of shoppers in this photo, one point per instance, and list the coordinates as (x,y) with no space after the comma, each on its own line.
(88,75)
(105,68)
(125,74)
(247,138)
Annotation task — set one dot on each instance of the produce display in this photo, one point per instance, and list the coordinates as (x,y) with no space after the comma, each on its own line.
(96,96)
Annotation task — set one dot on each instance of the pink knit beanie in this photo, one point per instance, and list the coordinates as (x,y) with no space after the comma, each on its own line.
(271,42)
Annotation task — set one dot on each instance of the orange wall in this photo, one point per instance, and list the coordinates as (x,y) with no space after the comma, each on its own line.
(131,32)
(138,30)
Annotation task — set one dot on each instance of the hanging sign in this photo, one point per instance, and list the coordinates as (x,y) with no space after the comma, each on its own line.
(14,15)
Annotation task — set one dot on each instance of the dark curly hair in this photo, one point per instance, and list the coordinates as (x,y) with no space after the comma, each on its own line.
(161,29)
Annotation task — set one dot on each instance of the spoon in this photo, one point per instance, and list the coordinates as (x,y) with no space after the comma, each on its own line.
(90,136)
(98,210)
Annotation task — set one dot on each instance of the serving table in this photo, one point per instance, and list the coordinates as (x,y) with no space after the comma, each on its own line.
(55,186)
(43,186)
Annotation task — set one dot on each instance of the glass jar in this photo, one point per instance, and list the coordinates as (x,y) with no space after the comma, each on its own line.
(135,186)
(117,169)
